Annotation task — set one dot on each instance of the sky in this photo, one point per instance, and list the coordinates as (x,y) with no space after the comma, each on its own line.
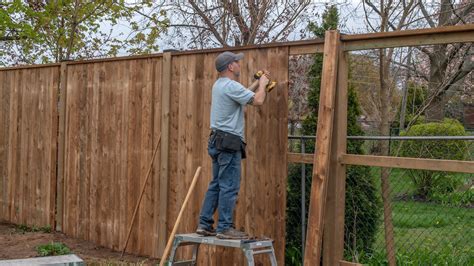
(351,17)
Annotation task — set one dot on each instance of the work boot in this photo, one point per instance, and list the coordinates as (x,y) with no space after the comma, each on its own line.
(205,232)
(232,233)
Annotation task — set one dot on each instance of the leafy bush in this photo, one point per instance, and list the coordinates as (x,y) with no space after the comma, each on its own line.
(455,199)
(428,183)
(52,249)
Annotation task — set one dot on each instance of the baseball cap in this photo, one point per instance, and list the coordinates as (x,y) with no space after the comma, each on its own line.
(225,58)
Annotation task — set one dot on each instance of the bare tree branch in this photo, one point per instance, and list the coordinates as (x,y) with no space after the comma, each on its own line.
(208,23)
(465,12)
(299,9)
(426,15)
(376,10)
(442,88)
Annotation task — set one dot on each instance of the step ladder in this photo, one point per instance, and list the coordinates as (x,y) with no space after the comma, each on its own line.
(250,247)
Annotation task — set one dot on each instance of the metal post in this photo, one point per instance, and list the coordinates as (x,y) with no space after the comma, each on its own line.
(303,200)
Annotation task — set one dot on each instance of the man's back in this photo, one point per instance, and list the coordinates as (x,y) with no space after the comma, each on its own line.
(227,107)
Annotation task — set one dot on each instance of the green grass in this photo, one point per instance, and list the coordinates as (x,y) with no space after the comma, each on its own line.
(53,249)
(426,233)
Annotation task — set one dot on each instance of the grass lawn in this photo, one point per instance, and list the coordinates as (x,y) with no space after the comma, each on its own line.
(425,233)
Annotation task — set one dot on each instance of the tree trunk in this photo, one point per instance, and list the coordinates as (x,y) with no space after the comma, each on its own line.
(438,66)
(384,128)
(403,109)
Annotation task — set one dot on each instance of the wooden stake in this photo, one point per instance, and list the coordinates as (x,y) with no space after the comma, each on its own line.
(141,195)
(178,220)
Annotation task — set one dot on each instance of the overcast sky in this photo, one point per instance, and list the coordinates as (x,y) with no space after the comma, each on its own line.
(351,20)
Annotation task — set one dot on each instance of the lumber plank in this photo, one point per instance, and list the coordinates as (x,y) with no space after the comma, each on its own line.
(409,163)
(323,150)
(333,243)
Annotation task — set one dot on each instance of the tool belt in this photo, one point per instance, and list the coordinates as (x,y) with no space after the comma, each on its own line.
(228,142)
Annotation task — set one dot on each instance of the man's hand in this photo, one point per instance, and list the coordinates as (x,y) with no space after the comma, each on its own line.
(263,81)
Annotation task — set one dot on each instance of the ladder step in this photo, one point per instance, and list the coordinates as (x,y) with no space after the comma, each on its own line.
(185,263)
(250,247)
(262,251)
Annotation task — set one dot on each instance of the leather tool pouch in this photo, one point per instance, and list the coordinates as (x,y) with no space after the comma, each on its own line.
(229,142)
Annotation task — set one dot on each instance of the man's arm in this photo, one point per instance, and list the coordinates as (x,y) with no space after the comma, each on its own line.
(253,86)
(260,94)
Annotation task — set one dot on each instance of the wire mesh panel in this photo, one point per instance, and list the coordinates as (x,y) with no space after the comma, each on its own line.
(428,214)
(431,211)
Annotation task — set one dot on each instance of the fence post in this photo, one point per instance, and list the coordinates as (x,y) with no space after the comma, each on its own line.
(322,158)
(164,152)
(58,226)
(333,244)
(303,198)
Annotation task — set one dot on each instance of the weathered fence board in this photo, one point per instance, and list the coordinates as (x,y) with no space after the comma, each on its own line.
(28,144)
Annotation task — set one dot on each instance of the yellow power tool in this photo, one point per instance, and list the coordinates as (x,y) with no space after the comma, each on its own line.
(270,86)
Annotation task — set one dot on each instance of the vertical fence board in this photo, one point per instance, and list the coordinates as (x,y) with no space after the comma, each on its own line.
(28,113)
(122,178)
(61,142)
(162,124)
(5,91)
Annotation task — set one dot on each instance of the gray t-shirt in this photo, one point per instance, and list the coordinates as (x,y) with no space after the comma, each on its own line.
(227,106)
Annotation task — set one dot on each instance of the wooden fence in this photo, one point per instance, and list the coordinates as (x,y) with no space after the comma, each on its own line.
(110,113)
(28,119)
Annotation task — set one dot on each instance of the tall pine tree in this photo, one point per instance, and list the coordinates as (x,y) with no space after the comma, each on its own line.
(362,204)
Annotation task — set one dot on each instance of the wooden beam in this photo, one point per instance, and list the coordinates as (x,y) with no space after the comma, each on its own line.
(323,149)
(306,49)
(61,146)
(164,171)
(30,66)
(333,244)
(307,158)
(407,33)
(453,34)
(409,163)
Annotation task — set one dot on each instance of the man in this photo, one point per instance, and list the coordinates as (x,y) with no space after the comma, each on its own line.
(226,144)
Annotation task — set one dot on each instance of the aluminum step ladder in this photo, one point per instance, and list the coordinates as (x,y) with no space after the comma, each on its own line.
(250,247)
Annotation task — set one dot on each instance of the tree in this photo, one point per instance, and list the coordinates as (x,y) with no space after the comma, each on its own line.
(52,31)
(415,98)
(298,88)
(449,64)
(391,16)
(224,23)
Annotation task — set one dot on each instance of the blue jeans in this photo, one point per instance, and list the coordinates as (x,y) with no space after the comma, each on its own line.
(223,188)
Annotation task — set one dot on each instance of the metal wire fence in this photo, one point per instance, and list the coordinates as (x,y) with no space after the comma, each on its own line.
(430,213)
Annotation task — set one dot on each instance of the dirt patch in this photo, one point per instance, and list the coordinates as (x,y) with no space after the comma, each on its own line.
(18,244)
